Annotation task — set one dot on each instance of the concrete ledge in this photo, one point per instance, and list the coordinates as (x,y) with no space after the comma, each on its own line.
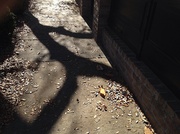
(159,104)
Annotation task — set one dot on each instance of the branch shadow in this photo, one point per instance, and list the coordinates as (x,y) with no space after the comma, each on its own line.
(50,113)
(6,110)
(6,35)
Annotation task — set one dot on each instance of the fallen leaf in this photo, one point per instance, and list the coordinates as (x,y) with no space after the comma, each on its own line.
(102,91)
(147,130)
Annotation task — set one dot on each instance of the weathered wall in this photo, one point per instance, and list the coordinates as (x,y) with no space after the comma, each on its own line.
(100,16)
(160,106)
(85,7)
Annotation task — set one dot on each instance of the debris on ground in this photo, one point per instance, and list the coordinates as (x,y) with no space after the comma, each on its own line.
(69,111)
(148,130)
(118,97)
(14,77)
(105,106)
(101,106)
(117,94)
(102,91)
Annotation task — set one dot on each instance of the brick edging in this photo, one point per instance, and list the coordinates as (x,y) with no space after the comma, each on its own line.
(158,103)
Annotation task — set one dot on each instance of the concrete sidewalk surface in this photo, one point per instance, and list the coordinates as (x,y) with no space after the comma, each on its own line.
(69,70)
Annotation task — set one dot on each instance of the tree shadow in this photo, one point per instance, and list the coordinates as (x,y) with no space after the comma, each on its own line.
(6,110)
(8,22)
(75,66)
(6,35)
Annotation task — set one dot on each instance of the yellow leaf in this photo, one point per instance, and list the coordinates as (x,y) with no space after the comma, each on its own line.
(147,130)
(102,92)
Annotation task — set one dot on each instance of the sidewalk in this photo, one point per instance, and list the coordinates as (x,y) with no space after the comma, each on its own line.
(69,67)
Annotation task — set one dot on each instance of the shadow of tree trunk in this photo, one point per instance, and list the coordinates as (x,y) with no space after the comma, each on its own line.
(51,112)
(6,112)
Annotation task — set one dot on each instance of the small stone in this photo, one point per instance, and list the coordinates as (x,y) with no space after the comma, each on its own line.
(128,128)
(35,86)
(136,114)
(95,116)
(97,119)
(130,120)
(77,100)
(76,128)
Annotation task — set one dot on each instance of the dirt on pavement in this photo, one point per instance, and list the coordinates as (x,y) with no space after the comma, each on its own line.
(69,86)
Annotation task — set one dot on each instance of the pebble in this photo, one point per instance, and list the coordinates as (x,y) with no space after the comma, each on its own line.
(136,114)
(118,95)
(112,111)
(35,86)
(97,119)
(95,116)
(23,99)
(14,84)
(76,128)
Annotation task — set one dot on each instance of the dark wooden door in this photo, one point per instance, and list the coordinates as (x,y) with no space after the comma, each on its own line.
(161,48)
(151,28)
(128,18)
